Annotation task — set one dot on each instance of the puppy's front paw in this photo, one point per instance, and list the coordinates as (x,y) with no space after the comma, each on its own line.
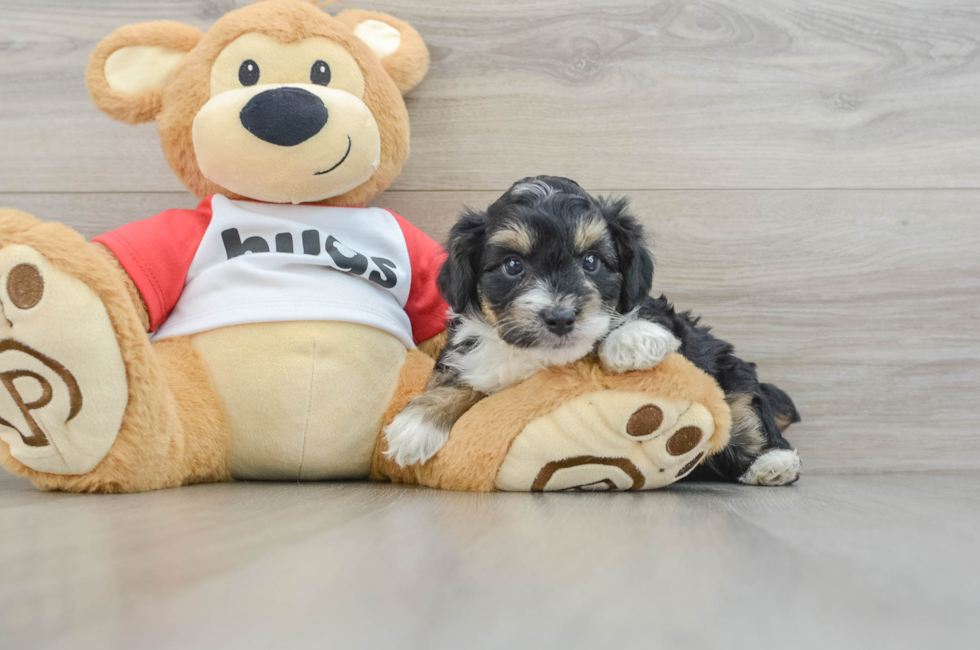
(413,438)
(637,345)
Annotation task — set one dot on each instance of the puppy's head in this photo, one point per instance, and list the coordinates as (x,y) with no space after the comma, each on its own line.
(547,265)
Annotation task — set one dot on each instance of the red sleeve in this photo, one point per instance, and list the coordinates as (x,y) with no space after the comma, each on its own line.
(425,308)
(157,252)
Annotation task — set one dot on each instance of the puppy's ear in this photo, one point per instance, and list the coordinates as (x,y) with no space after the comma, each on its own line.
(635,261)
(458,276)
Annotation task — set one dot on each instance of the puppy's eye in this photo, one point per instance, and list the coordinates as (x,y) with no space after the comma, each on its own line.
(320,73)
(513,266)
(590,263)
(248,73)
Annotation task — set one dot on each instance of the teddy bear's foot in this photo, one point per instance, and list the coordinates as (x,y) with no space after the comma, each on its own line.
(609,440)
(63,387)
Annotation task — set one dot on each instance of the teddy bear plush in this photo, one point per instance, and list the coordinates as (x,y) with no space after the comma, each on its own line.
(274,330)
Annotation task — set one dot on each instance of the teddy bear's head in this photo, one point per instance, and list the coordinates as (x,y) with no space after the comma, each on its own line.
(278,101)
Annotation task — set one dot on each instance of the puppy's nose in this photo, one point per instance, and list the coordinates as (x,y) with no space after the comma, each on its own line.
(559,321)
(284,116)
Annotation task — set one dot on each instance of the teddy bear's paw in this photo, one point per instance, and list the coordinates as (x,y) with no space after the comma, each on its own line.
(63,388)
(608,440)
(773,468)
(414,438)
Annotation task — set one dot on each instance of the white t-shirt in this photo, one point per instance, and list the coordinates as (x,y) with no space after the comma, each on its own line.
(234,262)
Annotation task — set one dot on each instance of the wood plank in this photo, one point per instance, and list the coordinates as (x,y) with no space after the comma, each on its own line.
(862,304)
(843,562)
(618,94)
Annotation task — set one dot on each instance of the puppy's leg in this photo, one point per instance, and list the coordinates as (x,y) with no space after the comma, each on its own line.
(779,463)
(773,468)
(783,409)
(757,453)
(637,344)
(418,432)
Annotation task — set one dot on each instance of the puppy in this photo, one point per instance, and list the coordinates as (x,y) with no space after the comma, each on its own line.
(550,274)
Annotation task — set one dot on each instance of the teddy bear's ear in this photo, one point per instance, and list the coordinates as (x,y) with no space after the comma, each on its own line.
(129,68)
(396,43)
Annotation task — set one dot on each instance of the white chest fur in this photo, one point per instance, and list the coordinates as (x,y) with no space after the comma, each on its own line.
(493,364)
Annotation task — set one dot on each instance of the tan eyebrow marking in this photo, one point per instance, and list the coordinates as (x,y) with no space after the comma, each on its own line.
(488,311)
(588,234)
(516,237)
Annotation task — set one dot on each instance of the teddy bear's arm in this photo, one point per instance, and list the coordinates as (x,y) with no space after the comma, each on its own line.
(425,307)
(155,255)
(432,347)
(134,293)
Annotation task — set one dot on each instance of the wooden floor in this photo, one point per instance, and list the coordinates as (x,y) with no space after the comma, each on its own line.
(841,562)
(810,172)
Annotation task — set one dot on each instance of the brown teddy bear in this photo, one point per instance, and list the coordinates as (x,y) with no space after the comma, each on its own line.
(287,322)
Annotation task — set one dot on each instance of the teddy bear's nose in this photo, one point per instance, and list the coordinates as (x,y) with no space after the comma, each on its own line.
(284,116)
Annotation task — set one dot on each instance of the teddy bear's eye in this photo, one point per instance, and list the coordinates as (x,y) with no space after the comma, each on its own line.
(248,73)
(320,73)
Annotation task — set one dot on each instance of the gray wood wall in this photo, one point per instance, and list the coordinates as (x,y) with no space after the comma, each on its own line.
(810,172)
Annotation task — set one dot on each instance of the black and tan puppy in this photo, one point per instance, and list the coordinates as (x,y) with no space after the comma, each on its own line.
(550,274)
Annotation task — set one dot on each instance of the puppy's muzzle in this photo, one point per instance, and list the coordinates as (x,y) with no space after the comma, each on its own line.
(558,320)
(284,116)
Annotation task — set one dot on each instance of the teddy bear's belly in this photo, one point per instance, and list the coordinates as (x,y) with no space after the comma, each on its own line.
(304,399)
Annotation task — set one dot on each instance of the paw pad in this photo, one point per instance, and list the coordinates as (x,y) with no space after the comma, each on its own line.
(645,420)
(684,441)
(691,465)
(25,286)
(608,441)
(634,479)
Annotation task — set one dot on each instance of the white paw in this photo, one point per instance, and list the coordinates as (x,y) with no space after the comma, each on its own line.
(775,467)
(412,438)
(637,345)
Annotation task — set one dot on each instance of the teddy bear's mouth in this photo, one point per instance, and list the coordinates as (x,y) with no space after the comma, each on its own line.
(339,163)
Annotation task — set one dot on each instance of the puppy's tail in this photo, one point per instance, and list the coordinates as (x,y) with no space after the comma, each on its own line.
(782,406)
